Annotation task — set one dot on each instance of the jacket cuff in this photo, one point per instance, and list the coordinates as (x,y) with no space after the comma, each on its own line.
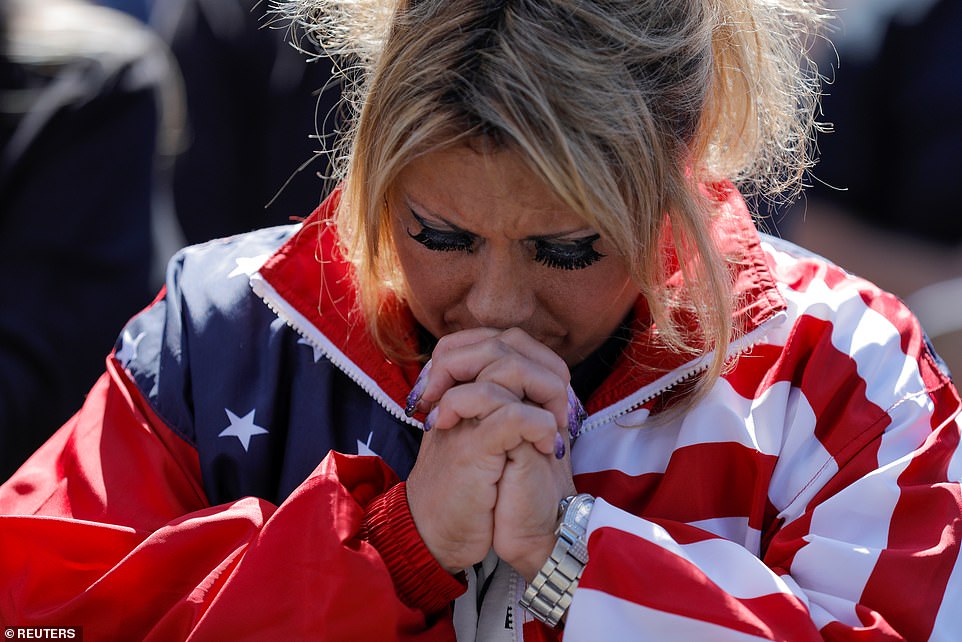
(421,582)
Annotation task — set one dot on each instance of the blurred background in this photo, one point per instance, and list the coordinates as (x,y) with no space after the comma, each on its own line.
(129,128)
(884,198)
(127,132)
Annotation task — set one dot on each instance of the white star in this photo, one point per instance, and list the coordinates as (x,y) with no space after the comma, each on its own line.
(247,265)
(128,347)
(365,449)
(242,427)
(318,353)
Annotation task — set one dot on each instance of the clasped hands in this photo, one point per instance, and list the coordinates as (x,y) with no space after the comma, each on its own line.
(493,462)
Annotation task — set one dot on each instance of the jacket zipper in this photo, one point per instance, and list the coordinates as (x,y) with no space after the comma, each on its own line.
(309,333)
(740,346)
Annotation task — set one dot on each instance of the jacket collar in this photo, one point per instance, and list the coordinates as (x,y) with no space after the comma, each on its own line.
(759,306)
(308,283)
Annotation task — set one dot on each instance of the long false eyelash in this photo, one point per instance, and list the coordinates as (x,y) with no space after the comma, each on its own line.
(570,255)
(441,240)
(575,255)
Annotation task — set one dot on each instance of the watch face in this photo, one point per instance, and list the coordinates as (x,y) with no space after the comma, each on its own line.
(581,511)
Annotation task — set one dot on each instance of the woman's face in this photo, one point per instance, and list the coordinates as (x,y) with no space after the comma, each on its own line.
(484,243)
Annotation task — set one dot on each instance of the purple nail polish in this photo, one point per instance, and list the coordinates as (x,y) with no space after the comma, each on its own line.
(431,419)
(559,446)
(415,395)
(576,413)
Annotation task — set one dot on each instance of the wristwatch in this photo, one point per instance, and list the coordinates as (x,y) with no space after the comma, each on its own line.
(549,594)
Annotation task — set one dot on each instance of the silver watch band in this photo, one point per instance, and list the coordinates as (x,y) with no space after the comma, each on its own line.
(549,594)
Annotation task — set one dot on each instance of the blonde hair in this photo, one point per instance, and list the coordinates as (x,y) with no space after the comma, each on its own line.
(623,107)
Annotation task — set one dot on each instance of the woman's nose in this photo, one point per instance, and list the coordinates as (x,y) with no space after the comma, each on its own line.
(502,295)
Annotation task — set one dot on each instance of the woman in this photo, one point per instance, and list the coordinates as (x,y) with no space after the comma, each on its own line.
(535,197)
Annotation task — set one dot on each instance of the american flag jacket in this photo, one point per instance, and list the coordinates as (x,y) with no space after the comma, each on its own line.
(236,473)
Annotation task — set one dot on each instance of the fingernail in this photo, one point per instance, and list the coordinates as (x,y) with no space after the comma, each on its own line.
(559,446)
(431,419)
(414,397)
(576,413)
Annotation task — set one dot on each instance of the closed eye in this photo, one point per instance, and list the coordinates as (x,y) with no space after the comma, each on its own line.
(441,240)
(568,255)
(575,254)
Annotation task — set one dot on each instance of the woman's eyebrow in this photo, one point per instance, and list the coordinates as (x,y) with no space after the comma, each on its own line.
(414,206)
(586,234)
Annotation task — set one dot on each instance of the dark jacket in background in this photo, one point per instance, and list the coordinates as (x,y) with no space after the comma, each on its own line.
(249,159)
(895,155)
(78,130)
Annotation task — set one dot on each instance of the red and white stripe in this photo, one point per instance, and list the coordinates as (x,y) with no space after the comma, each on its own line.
(829,512)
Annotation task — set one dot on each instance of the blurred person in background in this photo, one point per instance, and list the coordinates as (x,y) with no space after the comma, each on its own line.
(249,159)
(884,201)
(79,109)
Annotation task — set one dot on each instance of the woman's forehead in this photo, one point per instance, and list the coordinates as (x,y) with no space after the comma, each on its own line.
(485,190)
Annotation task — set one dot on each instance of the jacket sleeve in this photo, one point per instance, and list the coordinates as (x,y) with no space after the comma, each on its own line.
(860,538)
(114,534)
